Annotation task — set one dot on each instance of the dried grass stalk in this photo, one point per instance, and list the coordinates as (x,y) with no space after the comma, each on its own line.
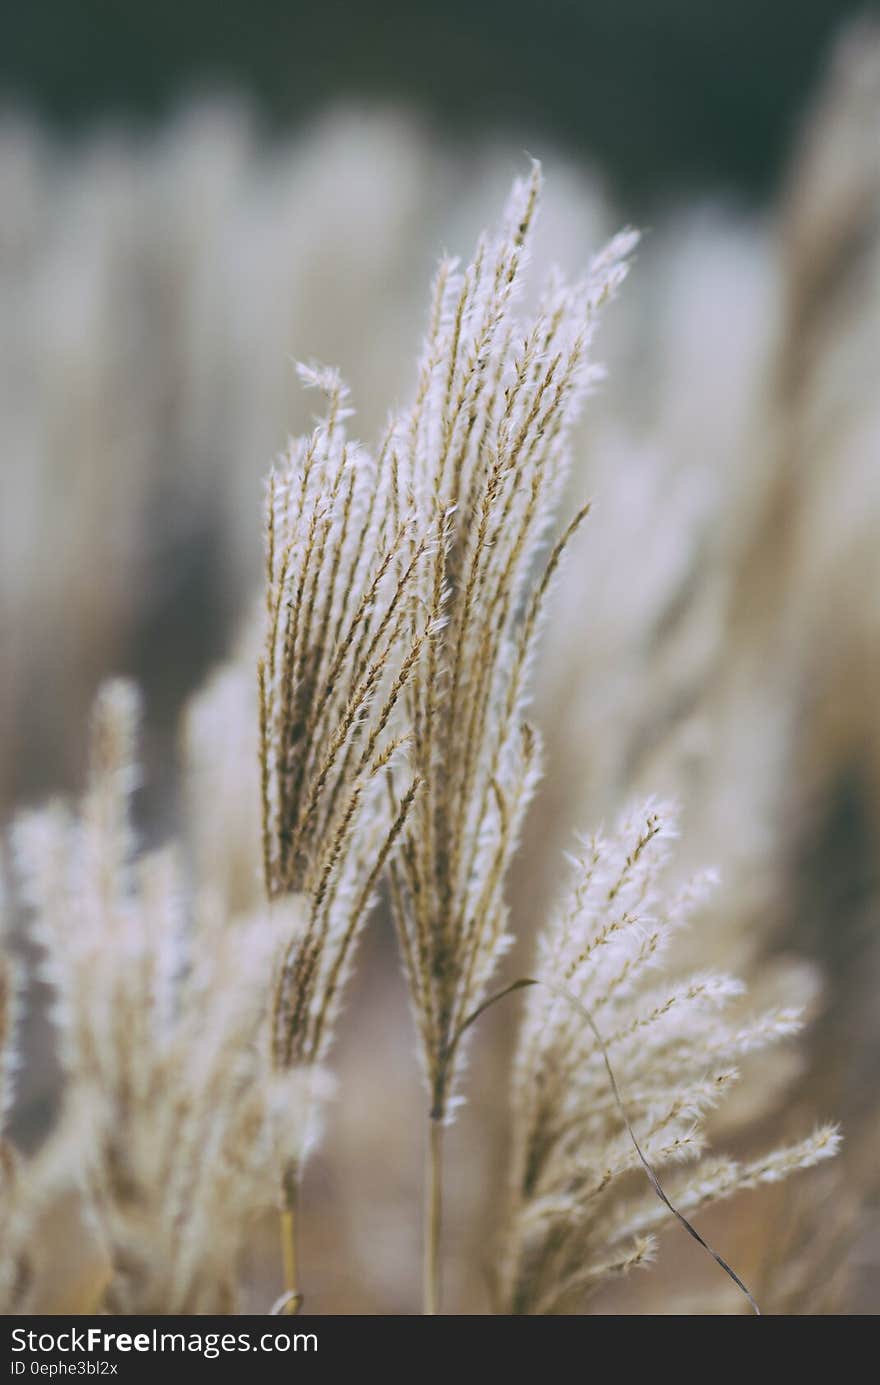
(344,636)
(174,1113)
(575,1214)
(483,452)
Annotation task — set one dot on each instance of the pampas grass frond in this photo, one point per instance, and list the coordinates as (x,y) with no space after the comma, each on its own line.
(344,634)
(574,1214)
(343,638)
(176,1116)
(484,452)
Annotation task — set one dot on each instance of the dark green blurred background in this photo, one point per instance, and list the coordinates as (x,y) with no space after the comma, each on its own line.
(664,93)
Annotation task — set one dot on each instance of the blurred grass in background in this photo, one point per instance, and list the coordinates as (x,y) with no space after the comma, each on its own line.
(664,95)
